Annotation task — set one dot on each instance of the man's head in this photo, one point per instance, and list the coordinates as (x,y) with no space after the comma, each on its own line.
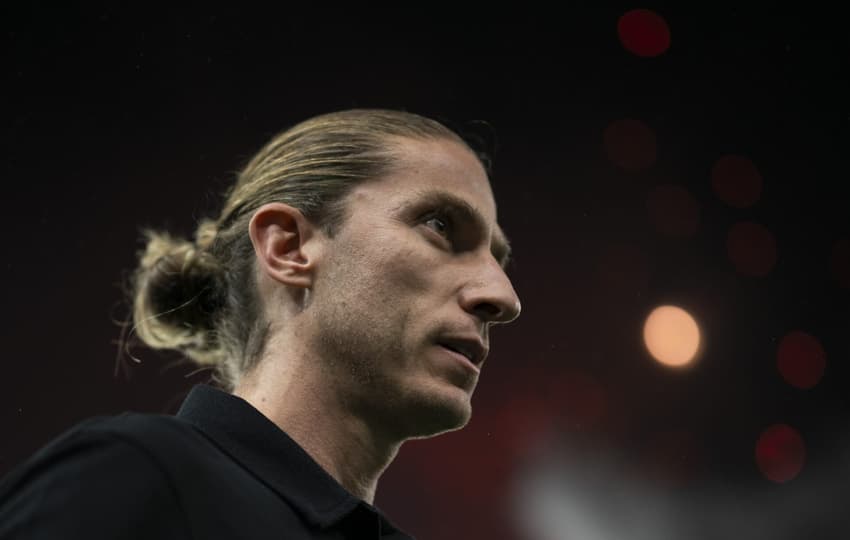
(417,266)
(363,239)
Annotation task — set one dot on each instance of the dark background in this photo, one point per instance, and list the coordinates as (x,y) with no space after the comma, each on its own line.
(118,118)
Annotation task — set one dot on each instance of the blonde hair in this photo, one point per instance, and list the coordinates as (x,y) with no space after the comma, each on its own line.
(200,298)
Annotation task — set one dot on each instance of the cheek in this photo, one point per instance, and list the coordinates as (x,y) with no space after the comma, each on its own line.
(386,270)
(408,272)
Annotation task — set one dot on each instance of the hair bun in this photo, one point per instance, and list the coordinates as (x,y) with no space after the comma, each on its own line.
(181,291)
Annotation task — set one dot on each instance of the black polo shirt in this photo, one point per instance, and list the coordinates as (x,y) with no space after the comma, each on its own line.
(218,469)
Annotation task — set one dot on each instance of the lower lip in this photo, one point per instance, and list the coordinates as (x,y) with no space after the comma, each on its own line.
(462,359)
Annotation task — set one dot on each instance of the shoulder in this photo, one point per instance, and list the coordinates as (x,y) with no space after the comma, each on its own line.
(158,438)
(156,434)
(102,477)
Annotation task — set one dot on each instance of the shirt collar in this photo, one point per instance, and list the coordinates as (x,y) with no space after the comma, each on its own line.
(260,446)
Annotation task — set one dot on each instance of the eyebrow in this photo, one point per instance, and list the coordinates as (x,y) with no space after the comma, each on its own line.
(500,247)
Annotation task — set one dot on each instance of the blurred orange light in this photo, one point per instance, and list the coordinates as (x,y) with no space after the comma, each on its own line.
(672,336)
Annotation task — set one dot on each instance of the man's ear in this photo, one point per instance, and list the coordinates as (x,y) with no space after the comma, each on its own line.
(286,244)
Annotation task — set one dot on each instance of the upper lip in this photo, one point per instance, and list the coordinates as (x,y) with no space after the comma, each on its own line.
(471,347)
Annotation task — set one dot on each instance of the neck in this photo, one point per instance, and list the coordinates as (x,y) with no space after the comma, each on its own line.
(353,451)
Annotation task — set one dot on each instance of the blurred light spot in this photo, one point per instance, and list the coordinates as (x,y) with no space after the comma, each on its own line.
(630,144)
(577,398)
(801,359)
(643,32)
(588,493)
(751,248)
(736,181)
(780,453)
(840,263)
(671,335)
(623,270)
(673,211)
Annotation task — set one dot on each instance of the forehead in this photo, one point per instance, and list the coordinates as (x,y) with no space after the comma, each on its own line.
(425,166)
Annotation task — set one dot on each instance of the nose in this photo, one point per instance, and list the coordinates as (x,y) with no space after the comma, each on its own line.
(490,296)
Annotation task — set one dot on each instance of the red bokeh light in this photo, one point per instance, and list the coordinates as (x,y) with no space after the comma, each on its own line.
(751,248)
(630,144)
(839,263)
(736,181)
(643,32)
(780,453)
(673,210)
(801,359)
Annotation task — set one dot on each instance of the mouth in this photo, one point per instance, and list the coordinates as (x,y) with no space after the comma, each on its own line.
(469,346)
(460,357)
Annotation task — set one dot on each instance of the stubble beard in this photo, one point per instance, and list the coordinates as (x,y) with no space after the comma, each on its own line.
(361,339)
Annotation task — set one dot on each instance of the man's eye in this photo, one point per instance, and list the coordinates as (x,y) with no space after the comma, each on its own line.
(443,221)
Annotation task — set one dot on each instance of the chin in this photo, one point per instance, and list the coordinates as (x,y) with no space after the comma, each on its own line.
(438,416)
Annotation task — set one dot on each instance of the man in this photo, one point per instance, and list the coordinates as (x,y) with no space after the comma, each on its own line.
(368,324)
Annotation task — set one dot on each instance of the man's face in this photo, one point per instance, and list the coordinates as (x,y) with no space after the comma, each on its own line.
(398,279)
